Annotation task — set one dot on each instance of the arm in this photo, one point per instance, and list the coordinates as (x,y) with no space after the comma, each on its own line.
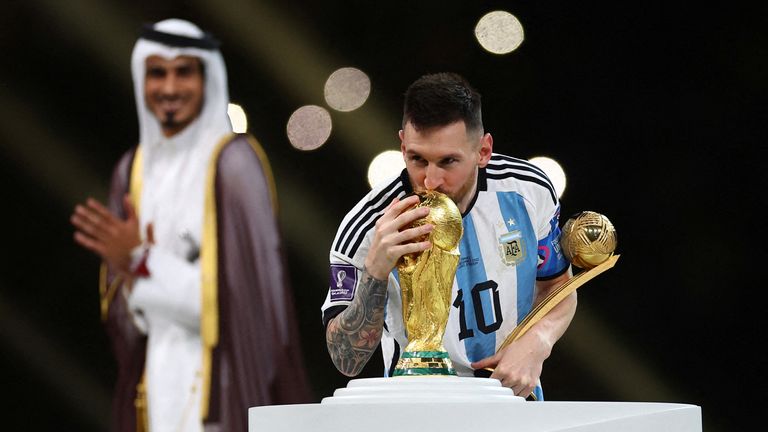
(126,340)
(91,234)
(170,289)
(519,365)
(113,234)
(353,335)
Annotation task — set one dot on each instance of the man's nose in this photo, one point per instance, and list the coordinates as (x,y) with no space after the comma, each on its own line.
(170,84)
(433,178)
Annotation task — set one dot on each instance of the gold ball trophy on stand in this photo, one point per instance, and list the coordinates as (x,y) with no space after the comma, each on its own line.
(426,280)
(588,241)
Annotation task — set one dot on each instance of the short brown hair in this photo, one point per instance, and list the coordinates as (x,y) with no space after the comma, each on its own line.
(441,99)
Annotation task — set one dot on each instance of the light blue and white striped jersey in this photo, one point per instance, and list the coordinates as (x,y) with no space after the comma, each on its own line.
(511,239)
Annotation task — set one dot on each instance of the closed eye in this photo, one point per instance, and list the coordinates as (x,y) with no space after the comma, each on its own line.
(417,159)
(155,72)
(186,70)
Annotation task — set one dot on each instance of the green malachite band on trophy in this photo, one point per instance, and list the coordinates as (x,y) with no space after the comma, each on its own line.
(424,363)
(425,355)
(424,371)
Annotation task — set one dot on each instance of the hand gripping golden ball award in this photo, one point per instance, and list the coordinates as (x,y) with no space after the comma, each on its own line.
(588,241)
(426,280)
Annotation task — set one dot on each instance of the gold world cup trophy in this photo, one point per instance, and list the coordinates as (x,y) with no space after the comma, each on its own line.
(426,280)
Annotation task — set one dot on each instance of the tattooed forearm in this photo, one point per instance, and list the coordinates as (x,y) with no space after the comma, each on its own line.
(353,335)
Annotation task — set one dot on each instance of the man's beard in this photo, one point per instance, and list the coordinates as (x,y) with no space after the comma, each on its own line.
(465,192)
(170,121)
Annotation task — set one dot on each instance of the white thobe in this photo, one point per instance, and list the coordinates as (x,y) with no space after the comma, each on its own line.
(167,304)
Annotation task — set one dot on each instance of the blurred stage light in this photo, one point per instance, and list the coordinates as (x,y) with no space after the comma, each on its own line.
(347,89)
(237,118)
(553,170)
(385,165)
(499,32)
(309,127)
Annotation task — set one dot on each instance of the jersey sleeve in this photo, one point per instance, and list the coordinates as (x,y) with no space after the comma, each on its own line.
(346,265)
(552,262)
(350,246)
(342,284)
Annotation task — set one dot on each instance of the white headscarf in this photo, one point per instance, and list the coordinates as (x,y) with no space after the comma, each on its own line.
(174,168)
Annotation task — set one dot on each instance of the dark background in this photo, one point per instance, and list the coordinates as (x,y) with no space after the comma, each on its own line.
(656,110)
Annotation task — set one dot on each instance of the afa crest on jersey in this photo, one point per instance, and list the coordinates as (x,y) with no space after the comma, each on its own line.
(512,247)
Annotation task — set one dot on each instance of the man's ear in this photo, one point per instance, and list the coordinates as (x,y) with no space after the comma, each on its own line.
(486,149)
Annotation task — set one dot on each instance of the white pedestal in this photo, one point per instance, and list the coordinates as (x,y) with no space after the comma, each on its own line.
(448,404)
(422,389)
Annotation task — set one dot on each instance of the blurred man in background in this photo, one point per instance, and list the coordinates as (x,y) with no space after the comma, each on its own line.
(193,288)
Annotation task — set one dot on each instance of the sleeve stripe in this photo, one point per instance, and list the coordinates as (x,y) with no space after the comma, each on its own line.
(362,210)
(374,215)
(546,185)
(499,159)
(499,162)
(502,167)
(361,236)
(519,168)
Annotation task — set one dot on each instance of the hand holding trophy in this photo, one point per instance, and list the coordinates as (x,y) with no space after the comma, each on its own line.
(588,241)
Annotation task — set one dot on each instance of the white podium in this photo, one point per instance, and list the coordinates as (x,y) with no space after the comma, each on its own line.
(452,404)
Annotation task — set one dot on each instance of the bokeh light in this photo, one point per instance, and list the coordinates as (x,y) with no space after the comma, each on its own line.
(309,127)
(553,170)
(499,32)
(347,89)
(237,117)
(385,165)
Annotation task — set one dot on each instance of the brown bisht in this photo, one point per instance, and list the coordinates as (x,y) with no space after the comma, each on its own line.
(248,323)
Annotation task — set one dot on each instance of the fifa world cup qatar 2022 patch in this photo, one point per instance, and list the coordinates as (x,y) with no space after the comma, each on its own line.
(512,247)
(343,281)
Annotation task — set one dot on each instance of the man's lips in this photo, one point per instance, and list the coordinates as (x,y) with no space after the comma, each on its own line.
(170,106)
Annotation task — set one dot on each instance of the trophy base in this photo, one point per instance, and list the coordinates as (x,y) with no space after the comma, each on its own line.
(418,363)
